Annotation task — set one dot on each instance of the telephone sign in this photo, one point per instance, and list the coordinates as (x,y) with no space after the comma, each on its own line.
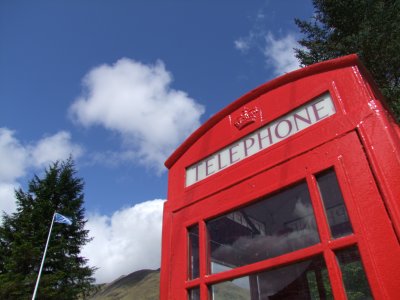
(278,130)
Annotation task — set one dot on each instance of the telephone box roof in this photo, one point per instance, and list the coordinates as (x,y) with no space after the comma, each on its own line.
(342,62)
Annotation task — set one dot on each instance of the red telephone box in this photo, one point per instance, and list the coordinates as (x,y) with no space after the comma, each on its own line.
(290,192)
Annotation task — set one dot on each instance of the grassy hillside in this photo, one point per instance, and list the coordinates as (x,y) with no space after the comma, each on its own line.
(144,285)
(139,285)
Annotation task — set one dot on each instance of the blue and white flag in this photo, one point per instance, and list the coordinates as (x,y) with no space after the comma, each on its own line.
(62,219)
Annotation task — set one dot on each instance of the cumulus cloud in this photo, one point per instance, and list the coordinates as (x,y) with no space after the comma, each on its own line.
(129,240)
(17,158)
(280,54)
(7,197)
(13,156)
(55,147)
(137,101)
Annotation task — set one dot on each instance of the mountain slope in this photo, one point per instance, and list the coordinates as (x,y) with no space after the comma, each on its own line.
(144,285)
(139,285)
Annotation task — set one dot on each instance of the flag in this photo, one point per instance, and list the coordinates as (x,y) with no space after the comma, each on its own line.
(61,219)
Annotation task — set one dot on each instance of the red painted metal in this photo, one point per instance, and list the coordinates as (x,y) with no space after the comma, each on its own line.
(360,141)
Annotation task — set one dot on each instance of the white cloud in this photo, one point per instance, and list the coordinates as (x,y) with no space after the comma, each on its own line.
(243,44)
(137,101)
(17,158)
(53,148)
(127,241)
(280,54)
(254,38)
(7,197)
(13,156)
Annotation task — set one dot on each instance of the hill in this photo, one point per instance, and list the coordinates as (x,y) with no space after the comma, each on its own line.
(139,285)
(144,285)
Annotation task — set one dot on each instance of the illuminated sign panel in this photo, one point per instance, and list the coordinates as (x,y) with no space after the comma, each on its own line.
(268,135)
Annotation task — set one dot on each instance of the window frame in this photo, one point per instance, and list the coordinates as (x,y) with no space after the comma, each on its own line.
(306,168)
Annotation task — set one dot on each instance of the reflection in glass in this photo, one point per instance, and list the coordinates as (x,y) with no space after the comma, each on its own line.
(353,274)
(275,225)
(335,209)
(302,280)
(194,294)
(193,238)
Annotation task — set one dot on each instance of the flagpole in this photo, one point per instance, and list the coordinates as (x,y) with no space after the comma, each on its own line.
(44,256)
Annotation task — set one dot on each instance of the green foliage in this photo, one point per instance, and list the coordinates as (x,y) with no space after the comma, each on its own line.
(23,236)
(370,28)
(356,284)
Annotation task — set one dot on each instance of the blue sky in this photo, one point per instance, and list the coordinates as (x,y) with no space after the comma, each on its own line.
(120,84)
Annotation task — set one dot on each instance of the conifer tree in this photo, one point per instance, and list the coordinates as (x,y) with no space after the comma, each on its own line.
(370,28)
(23,235)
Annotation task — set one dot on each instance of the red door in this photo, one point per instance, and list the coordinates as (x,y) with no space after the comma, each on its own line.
(313,227)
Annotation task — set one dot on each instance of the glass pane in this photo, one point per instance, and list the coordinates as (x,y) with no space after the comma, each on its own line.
(194,294)
(353,274)
(193,237)
(273,226)
(335,208)
(302,280)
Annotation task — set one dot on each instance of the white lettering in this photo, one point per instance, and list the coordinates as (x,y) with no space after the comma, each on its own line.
(274,132)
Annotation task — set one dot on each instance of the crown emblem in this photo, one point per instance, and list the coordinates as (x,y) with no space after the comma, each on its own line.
(247,117)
